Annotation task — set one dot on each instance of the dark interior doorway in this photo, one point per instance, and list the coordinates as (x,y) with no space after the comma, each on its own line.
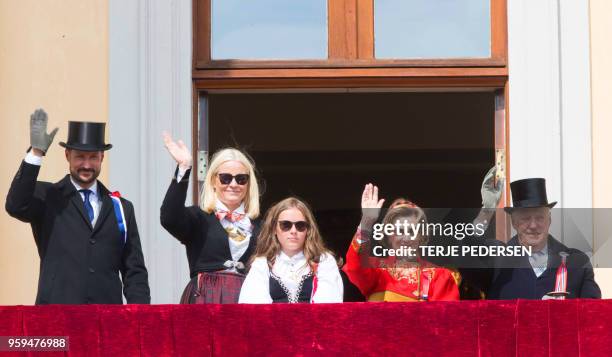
(324,147)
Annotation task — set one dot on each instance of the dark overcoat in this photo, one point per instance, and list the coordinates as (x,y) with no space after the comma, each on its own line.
(506,278)
(79,264)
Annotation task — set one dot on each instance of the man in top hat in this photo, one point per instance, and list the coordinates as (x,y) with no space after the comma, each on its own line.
(85,235)
(553,271)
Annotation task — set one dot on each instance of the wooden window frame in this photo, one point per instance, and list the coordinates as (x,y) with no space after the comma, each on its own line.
(351,64)
(350,42)
(501,133)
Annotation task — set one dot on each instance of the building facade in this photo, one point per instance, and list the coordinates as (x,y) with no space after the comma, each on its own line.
(534,99)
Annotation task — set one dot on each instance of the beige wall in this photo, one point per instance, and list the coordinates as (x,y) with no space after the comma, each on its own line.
(54,55)
(601,94)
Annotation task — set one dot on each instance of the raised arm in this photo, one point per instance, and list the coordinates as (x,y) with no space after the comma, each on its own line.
(490,191)
(177,219)
(21,201)
(357,267)
(370,206)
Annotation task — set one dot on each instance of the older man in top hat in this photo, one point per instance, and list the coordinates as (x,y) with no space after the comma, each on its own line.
(553,271)
(86,236)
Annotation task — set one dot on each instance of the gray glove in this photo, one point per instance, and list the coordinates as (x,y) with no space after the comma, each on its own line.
(39,139)
(490,192)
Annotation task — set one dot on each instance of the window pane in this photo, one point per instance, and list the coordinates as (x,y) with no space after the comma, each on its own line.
(269,29)
(432,28)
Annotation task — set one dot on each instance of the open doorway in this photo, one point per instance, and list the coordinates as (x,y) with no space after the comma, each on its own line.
(433,148)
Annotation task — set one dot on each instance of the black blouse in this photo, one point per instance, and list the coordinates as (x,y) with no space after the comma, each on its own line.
(205,239)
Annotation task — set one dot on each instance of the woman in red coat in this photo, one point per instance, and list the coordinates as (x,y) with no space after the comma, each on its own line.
(395,278)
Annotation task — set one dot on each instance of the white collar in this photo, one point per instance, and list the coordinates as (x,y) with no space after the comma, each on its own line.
(290,268)
(219,206)
(297,258)
(93,188)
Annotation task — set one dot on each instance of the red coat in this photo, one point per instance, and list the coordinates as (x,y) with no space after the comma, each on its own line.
(380,281)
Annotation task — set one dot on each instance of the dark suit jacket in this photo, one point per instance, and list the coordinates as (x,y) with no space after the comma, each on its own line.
(79,264)
(507,278)
(204,237)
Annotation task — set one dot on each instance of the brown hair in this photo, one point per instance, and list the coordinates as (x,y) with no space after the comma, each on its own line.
(268,245)
(402,201)
(405,210)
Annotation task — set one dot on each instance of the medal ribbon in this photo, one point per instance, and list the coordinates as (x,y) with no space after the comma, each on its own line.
(561,280)
(425,279)
(120,215)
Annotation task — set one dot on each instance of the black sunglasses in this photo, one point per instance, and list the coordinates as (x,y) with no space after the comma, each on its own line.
(226,179)
(300,226)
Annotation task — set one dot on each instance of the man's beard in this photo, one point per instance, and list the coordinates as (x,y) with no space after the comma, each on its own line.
(77,178)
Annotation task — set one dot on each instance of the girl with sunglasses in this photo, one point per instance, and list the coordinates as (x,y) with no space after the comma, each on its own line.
(291,263)
(395,278)
(219,234)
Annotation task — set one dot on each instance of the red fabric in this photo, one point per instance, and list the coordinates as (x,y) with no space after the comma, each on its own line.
(373,281)
(213,288)
(466,328)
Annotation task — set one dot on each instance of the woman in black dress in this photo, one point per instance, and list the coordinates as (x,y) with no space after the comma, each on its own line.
(219,234)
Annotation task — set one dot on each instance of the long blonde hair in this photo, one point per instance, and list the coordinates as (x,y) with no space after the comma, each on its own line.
(208,196)
(268,245)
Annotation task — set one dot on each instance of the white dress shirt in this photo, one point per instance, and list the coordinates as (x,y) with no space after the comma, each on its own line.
(33,159)
(539,261)
(181,172)
(291,270)
(94,197)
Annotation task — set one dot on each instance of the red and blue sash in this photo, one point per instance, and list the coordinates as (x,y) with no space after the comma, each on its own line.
(118,208)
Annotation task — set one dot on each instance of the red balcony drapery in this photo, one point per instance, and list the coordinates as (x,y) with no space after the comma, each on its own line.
(466,328)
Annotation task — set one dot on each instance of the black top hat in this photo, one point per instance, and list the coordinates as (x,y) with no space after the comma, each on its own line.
(529,193)
(86,136)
